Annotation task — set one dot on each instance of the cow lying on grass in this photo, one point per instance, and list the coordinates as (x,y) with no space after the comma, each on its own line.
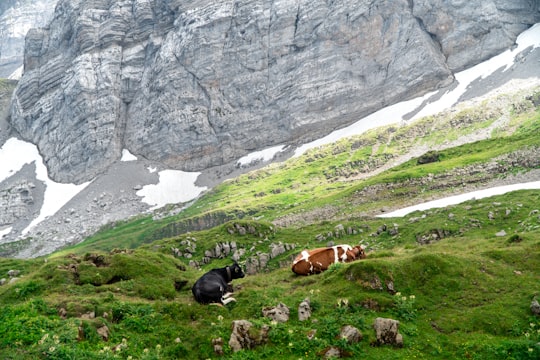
(212,286)
(315,261)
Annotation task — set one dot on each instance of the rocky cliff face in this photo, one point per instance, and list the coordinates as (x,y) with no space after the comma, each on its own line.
(16,18)
(195,84)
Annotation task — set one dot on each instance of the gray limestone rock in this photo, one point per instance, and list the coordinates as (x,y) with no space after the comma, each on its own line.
(196,84)
(351,334)
(16,18)
(387,332)
(245,336)
(279,313)
(304,310)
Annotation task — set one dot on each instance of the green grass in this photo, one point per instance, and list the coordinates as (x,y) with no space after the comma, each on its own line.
(462,291)
(466,295)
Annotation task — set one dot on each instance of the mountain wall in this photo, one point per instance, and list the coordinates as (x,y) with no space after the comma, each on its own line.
(16,18)
(196,84)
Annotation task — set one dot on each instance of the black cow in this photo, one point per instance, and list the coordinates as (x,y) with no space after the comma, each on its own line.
(212,287)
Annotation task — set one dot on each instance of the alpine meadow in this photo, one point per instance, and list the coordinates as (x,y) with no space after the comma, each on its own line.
(462,280)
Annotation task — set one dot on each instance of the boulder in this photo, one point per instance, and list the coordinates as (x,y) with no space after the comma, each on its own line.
(387,332)
(351,334)
(103,331)
(304,310)
(218,346)
(279,313)
(245,336)
(535,307)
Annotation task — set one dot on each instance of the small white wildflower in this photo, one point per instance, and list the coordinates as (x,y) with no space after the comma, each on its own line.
(145,351)
(43,338)
(527,334)
(398,293)
(412,297)
(404,298)
(291,331)
(290,344)
(220,317)
(52,348)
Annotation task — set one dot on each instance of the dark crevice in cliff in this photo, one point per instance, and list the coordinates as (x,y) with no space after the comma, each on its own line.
(436,41)
(296,20)
(204,90)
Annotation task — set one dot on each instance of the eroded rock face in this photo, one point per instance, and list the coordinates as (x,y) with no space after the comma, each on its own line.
(195,84)
(468,32)
(16,18)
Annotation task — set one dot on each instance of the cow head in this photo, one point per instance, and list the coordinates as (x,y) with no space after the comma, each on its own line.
(235,271)
(359,252)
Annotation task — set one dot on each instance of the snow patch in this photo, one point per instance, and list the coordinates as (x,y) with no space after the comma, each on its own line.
(260,156)
(127,156)
(529,38)
(389,115)
(457,199)
(4,232)
(174,186)
(17,74)
(14,155)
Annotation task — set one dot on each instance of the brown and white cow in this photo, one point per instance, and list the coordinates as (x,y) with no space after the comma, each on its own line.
(317,260)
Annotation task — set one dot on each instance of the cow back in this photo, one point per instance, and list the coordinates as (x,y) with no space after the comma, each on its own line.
(318,260)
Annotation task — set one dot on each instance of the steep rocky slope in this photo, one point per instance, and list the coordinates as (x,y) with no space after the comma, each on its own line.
(16,18)
(201,83)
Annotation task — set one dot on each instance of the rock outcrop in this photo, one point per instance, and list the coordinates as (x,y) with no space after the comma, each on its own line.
(16,18)
(6,89)
(197,84)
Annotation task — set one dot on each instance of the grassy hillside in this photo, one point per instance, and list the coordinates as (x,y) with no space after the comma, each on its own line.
(460,287)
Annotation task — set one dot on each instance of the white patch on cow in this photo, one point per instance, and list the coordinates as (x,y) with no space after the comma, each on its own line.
(343,257)
(305,257)
(345,249)
(228,300)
